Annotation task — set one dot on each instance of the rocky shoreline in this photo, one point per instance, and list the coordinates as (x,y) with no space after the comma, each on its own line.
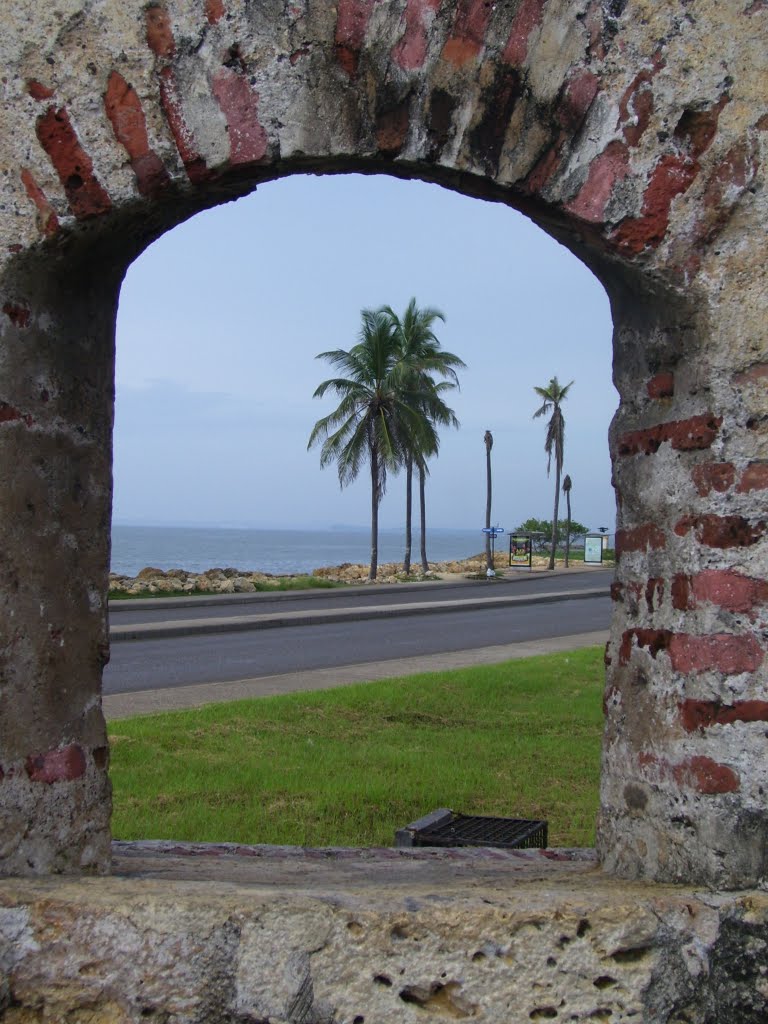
(238,581)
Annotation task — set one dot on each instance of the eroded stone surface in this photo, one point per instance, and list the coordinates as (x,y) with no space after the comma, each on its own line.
(285,935)
(634,132)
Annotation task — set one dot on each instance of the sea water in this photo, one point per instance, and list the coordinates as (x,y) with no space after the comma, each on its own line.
(275,551)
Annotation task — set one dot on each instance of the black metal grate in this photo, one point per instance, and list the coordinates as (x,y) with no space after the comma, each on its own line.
(445,828)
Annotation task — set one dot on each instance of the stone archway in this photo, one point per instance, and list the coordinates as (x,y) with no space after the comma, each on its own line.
(632,132)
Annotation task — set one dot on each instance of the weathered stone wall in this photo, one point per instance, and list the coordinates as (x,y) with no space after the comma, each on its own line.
(635,132)
(255,935)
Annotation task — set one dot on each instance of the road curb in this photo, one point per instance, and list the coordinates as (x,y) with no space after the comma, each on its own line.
(281,620)
(178,698)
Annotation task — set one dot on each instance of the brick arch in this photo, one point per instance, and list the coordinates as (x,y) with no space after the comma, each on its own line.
(633,134)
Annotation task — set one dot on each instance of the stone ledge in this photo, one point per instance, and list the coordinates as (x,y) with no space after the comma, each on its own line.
(184,933)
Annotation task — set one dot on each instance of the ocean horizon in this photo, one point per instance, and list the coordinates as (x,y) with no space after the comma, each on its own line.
(279,552)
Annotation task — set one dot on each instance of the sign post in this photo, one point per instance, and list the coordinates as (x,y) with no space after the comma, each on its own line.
(494,531)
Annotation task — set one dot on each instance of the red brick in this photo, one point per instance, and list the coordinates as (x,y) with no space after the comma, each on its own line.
(544,168)
(713,476)
(61,765)
(693,434)
(636,107)
(18,315)
(466,39)
(701,714)
(392,129)
(610,166)
(527,18)
(721,531)
(654,640)
(10,414)
(578,96)
(159,32)
(214,11)
(47,219)
(654,594)
(87,197)
(126,116)
(38,91)
(641,442)
(352,19)
(639,538)
(673,176)
(682,596)
(194,164)
(753,478)
(240,105)
(696,129)
(410,52)
(718,652)
(706,776)
(729,589)
(753,375)
(661,385)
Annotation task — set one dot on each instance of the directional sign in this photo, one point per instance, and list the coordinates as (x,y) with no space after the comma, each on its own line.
(493,530)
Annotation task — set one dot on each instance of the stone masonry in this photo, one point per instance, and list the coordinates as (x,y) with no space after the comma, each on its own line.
(633,131)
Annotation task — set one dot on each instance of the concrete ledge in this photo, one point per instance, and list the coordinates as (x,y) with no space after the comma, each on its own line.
(250,935)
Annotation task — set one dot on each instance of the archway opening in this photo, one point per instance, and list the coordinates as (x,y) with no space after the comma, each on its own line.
(219,324)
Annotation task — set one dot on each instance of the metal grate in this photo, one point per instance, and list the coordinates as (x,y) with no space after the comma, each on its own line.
(445,828)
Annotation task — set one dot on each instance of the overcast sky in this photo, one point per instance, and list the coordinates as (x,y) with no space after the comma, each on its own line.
(221,319)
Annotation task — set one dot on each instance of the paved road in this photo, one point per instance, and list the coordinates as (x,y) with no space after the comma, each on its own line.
(176,662)
(163,610)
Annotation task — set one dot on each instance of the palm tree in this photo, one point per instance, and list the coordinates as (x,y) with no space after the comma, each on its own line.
(488,438)
(567,493)
(554,395)
(439,415)
(422,353)
(379,417)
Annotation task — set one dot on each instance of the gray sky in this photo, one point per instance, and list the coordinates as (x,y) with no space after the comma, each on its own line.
(220,321)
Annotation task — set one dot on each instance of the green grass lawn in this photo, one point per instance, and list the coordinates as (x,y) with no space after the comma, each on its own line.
(348,766)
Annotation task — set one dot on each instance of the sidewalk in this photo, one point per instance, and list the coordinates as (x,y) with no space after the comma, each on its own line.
(145,702)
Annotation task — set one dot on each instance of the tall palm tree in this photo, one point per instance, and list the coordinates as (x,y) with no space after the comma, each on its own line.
(439,414)
(567,492)
(379,417)
(554,395)
(488,439)
(422,353)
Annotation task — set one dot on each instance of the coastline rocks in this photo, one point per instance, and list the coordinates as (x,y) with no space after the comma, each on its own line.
(174,581)
(238,581)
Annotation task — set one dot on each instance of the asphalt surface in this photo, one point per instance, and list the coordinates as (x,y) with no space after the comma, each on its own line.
(151,611)
(333,639)
(158,619)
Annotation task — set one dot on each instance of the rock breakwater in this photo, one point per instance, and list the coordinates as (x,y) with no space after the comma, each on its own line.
(238,581)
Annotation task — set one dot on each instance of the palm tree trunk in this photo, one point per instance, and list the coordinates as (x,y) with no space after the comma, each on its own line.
(488,496)
(408,515)
(568,527)
(423,519)
(374,567)
(554,521)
